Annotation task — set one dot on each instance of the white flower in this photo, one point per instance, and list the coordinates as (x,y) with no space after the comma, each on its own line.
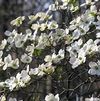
(3,44)
(18,21)
(20,40)
(51,58)
(14,64)
(52,7)
(90,46)
(98,17)
(7,61)
(72,27)
(1,62)
(55,58)
(34,71)
(88,1)
(30,49)
(65,2)
(41,69)
(2,98)
(43,26)
(10,83)
(43,16)
(79,59)
(52,25)
(32,18)
(49,69)
(82,55)
(35,26)
(48,58)
(85,28)
(45,69)
(25,77)
(76,34)
(26,59)
(93,65)
(12,99)
(93,8)
(20,80)
(12,35)
(2,84)
(78,19)
(29,32)
(94,68)
(51,97)
(80,42)
(43,41)
(1,53)
(61,54)
(67,31)
(98,35)
(7,33)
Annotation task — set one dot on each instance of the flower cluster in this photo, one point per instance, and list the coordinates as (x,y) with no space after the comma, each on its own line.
(20,50)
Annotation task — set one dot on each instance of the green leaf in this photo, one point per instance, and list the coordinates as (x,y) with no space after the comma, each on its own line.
(37,52)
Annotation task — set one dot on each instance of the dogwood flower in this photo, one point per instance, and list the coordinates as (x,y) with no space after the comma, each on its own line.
(61,54)
(7,61)
(52,7)
(32,17)
(47,68)
(14,64)
(20,40)
(34,71)
(43,16)
(2,84)
(18,21)
(1,62)
(48,58)
(3,98)
(35,26)
(55,58)
(93,9)
(76,34)
(12,35)
(52,25)
(12,99)
(30,49)
(3,44)
(43,26)
(76,61)
(43,41)
(88,1)
(7,33)
(51,97)
(98,35)
(90,46)
(11,83)
(26,59)
(94,68)
(25,78)
(20,80)
(74,48)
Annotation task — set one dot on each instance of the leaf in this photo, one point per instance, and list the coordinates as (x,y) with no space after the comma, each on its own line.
(37,52)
